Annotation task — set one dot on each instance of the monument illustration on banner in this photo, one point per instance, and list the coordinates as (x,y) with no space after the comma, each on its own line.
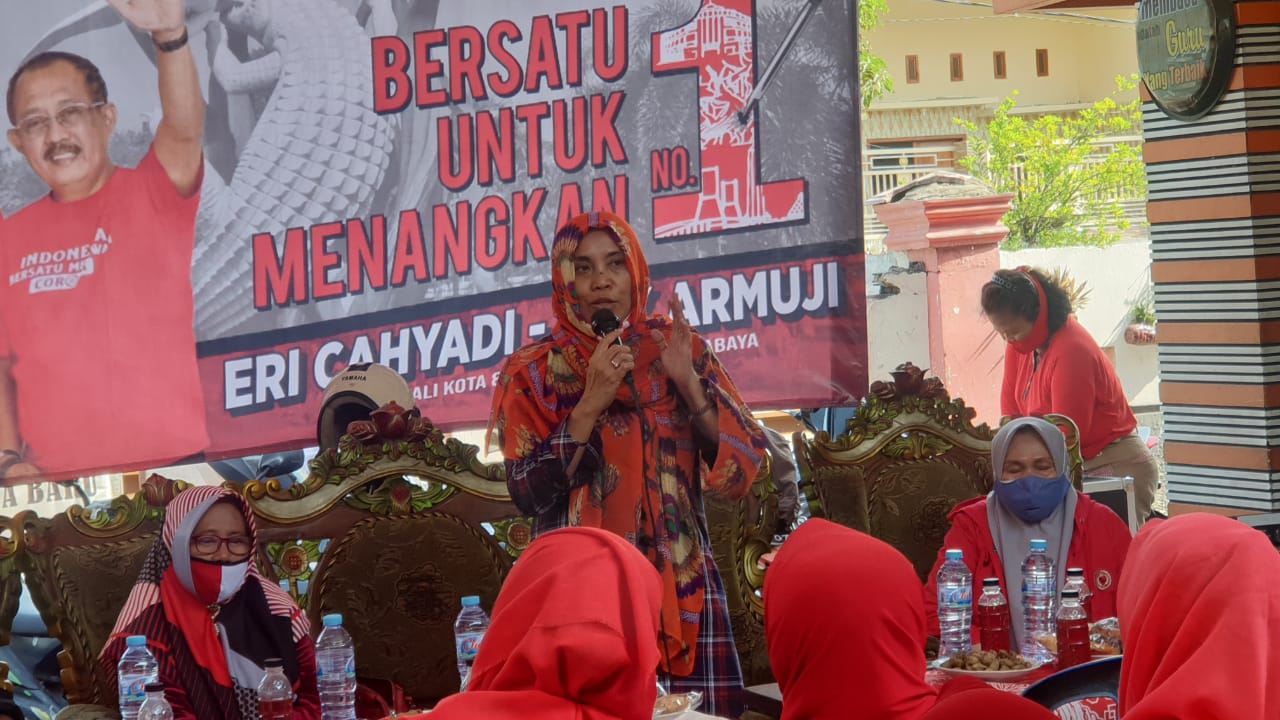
(719,43)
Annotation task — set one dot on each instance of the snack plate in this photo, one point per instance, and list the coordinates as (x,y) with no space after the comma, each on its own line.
(985,675)
(695,701)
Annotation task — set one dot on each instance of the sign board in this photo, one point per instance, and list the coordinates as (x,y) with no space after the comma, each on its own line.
(1185,53)
(383,182)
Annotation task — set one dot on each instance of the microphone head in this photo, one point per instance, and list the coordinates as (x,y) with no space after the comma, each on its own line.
(604,322)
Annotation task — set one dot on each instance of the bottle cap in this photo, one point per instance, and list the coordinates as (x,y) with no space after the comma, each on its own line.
(1075,572)
(272,663)
(991,582)
(1070,594)
(333,620)
(155,687)
(471,601)
(1038,544)
(136,641)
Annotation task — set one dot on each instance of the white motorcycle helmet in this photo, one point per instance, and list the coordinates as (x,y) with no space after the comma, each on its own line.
(353,394)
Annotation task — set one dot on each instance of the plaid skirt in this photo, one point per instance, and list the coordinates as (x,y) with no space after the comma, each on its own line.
(717,674)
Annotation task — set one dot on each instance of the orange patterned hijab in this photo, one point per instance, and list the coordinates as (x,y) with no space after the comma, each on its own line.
(649,488)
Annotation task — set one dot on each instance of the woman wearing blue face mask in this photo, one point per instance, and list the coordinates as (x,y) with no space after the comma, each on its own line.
(1033,498)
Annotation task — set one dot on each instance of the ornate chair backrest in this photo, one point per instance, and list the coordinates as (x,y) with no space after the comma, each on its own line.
(11,544)
(80,567)
(908,456)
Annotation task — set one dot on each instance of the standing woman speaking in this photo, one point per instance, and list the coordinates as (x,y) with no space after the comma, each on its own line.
(624,428)
(1053,365)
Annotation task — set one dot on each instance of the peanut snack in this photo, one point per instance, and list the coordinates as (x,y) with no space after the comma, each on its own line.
(988,661)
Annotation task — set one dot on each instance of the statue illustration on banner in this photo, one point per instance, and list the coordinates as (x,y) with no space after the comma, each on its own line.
(380,182)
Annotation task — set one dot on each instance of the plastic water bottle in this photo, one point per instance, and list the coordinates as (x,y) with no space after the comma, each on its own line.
(336,671)
(468,631)
(137,669)
(275,692)
(955,605)
(1075,581)
(993,617)
(1072,632)
(155,707)
(1039,590)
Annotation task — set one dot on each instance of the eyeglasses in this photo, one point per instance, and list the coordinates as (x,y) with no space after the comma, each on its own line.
(69,116)
(238,546)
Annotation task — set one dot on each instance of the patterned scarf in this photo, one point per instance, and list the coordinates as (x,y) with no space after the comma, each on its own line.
(649,489)
(231,645)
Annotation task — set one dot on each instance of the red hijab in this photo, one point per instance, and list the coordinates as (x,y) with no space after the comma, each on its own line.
(1199,607)
(983,702)
(574,635)
(844,621)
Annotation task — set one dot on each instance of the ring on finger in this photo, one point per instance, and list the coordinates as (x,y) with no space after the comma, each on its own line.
(615,364)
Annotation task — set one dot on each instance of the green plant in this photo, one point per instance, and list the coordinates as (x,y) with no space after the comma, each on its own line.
(1143,314)
(1066,190)
(873,74)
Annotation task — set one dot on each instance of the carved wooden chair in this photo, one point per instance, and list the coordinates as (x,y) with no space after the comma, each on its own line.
(80,567)
(390,529)
(908,456)
(741,532)
(10,590)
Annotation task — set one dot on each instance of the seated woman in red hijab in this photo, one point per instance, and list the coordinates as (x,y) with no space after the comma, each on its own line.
(211,662)
(1200,622)
(1031,498)
(846,634)
(574,636)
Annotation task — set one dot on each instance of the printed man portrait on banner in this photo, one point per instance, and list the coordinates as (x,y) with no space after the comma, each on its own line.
(97,350)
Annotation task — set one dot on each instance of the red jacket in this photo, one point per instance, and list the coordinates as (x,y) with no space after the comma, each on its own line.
(1074,379)
(1099,541)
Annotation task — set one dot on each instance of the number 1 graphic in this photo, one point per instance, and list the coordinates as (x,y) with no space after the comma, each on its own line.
(719,44)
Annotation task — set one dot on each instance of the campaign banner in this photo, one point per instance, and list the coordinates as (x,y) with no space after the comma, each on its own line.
(383,180)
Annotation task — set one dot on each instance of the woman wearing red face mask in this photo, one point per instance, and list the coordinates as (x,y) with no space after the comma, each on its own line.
(1031,498)
(210,619)
(1053,365)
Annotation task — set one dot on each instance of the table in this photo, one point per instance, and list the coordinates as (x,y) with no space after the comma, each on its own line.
(765,699)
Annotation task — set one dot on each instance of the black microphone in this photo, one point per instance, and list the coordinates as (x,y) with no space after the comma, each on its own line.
(604,322)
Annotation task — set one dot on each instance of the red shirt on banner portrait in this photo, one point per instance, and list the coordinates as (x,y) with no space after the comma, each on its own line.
(96,319)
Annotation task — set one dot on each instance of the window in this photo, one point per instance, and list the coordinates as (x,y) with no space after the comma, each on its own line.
(997,61)
(913,68)
(957,67)
(1042,63)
